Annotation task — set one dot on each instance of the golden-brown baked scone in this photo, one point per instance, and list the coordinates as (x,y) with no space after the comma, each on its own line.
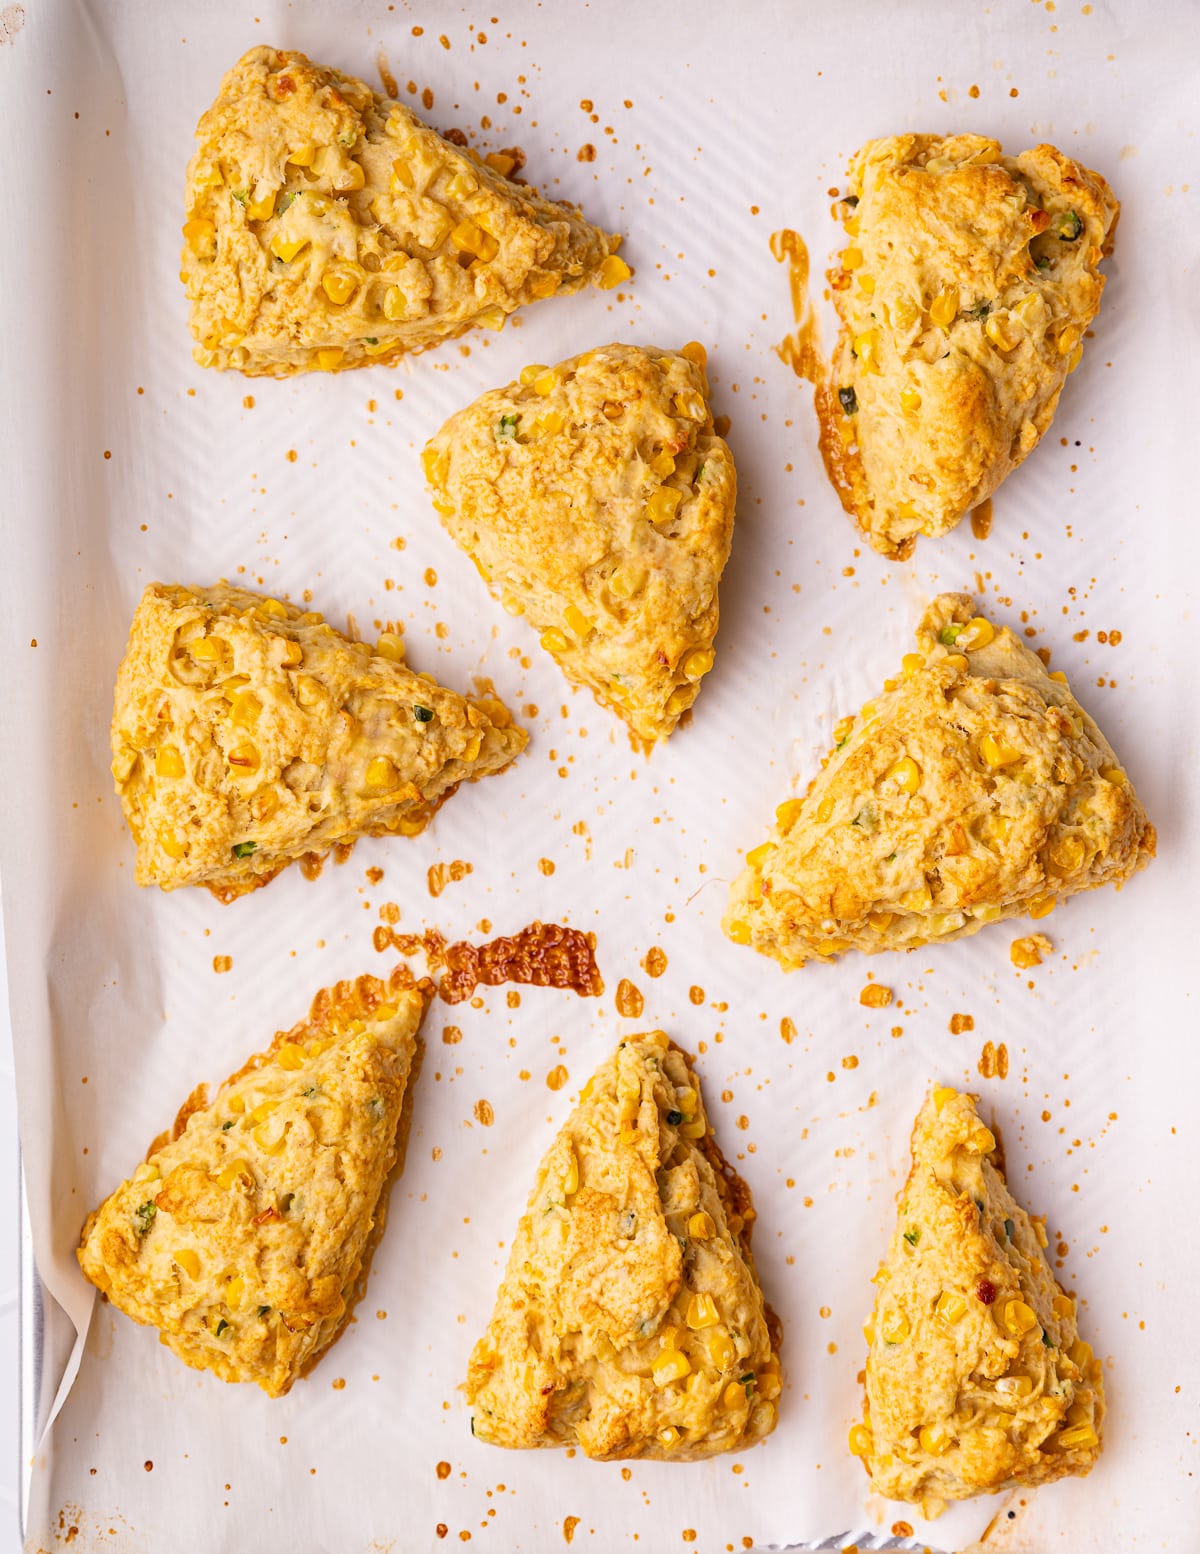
(630,1321)
(964,291)
(244,1235)
(596,500)
(247,733)
(328,227)
(977,1379)
(974,788)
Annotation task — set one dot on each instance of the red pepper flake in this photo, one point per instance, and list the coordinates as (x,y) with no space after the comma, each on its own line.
(986,1291)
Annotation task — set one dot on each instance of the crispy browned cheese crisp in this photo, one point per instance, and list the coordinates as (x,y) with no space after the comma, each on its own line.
(248,733)
(597,501)
(630,1322)
(977,1379)
(964,290)
(244,1234)
(974,788)
(328,227)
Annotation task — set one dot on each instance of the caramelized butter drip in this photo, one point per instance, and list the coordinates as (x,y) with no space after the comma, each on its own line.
(801,351)
(541,955)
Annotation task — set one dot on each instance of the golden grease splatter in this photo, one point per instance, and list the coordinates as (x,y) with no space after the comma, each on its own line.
(392,87)
(655,962)
(484,1115)
(801,350)
(569,1525)
(787,1029)
(696,995)
(960,1023)
(222,963)
(630,1002)
(546,865)
(981,520)
(439,875)
(443,1470)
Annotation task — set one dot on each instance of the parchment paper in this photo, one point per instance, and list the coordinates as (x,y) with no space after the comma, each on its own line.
(713,126)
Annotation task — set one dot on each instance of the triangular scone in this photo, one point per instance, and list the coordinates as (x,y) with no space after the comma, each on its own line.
(630,1321)
(328,227)
(247,733)
(244,1236)
(964,291)
(976,1379)
(597,501)
(974,788)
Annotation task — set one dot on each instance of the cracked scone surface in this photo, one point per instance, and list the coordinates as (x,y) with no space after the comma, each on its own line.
(327,227)
(243,1237)
(630,1322)
(248,733)
(976,1379)
(964,290)
(974,788)
(597,501)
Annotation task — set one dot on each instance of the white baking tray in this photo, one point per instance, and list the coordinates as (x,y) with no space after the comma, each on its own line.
(740,123)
